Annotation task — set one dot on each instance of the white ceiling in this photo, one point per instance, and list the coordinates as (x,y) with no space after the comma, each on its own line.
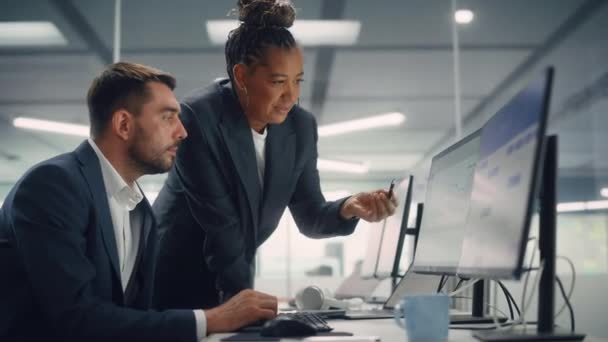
(402,62)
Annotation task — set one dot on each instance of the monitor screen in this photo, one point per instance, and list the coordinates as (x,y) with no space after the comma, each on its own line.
(504,185)
(446,205)
(374,236)
(394,232)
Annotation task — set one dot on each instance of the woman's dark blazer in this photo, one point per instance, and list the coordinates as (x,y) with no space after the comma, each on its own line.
(212,211)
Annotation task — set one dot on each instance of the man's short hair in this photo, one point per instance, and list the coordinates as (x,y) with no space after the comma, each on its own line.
(121,85)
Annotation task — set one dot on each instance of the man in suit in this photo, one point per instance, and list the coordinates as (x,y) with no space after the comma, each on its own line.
(82,237)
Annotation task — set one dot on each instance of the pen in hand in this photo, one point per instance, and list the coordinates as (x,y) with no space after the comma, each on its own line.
(390,189)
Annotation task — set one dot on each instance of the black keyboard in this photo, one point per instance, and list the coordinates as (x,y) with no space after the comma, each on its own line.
(312,319)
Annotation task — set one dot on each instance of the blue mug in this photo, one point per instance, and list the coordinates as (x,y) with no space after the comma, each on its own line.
(424,317)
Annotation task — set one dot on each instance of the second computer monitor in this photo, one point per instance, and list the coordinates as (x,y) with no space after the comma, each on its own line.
(395,226)
(443,224)
(505,184)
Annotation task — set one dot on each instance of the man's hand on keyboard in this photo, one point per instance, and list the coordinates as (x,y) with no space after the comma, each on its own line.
(244,308)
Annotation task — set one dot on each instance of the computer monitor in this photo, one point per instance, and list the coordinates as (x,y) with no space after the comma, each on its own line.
(393,236)
(505,185)
(516,159)
(443,224)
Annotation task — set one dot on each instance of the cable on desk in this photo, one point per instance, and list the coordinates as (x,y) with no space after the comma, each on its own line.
(442,281)
(462,288)
(567,300)
(459,283)
(510,301)
(571,290)
(522,317)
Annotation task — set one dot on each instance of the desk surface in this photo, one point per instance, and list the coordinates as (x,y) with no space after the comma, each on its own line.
(388,331)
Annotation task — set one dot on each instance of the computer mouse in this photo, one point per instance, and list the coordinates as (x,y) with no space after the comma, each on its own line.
(286,327)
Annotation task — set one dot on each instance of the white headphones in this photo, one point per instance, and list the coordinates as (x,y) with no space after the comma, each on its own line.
(314,298)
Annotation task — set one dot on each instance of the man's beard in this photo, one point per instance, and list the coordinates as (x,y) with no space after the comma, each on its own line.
(147,165)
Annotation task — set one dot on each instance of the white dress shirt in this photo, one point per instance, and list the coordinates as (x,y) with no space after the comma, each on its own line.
(259,142)
(122,199)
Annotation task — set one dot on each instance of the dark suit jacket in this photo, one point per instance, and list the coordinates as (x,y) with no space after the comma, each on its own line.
(60,279)
(214,213)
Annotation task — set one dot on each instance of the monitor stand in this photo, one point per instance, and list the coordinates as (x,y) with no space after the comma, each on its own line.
(545,330)
(477,315)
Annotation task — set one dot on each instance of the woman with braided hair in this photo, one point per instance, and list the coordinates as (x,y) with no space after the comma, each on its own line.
(251,152)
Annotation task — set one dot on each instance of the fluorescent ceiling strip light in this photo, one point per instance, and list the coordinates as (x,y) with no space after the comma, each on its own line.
(384,120)
(30,33)
(581,206)
(52,126)
(597,205)
(306,32)
(570,206)
(341,166)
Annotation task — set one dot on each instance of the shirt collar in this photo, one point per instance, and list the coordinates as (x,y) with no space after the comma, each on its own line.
(260,135)
(116,187)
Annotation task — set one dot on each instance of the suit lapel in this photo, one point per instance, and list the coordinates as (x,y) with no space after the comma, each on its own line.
(149,221)
(150,237)
(150,233)
(150,255)
(146,255)
(92,173)
(280,159)
(237,136)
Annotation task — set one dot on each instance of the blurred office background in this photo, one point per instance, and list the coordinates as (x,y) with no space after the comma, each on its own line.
(396,56)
